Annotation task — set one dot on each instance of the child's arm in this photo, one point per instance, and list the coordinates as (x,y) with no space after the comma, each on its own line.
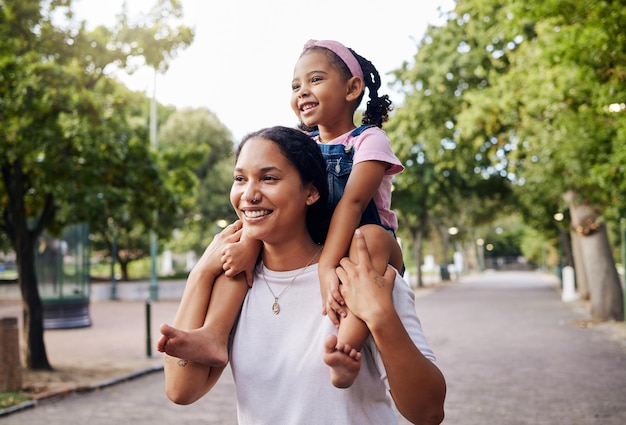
(362,184)
(241,256)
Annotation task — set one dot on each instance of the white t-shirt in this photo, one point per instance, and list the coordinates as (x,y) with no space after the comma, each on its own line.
(277,363)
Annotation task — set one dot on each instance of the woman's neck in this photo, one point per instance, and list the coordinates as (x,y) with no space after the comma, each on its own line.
(290,256)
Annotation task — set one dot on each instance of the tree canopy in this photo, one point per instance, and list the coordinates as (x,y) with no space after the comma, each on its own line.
(525,96)
(73,146)
(203,147)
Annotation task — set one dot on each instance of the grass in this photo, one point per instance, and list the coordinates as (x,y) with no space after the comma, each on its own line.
(8,275)
(137,270)
(10,399)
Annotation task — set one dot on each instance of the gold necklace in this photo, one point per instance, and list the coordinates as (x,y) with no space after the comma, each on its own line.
(276,306)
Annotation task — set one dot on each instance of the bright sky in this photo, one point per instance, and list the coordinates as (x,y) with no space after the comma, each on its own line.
(241,62)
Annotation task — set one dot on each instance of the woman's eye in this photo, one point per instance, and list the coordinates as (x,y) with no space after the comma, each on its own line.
(238,178)
(316,79)
(269,178)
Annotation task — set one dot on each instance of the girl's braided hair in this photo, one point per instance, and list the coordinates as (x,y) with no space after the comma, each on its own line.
(378,107)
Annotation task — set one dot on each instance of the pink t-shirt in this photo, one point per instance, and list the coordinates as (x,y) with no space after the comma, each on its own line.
(374,145)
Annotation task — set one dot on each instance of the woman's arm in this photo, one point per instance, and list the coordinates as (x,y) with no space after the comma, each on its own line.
(417,385)
(364,181)
(186,382)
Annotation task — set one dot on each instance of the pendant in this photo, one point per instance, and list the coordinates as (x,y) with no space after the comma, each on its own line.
(275,306)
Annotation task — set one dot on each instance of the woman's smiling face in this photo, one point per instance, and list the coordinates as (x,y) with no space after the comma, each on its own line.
(267,192)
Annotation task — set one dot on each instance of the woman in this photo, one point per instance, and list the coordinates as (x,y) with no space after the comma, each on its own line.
(279,192)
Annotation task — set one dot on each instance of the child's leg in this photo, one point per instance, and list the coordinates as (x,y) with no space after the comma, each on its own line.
(343,360)
(209,343)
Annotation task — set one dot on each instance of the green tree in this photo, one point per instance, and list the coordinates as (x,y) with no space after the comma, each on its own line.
(64,135)
(567,66)
(157,38)
(122,213)
(446,174)
(196,141)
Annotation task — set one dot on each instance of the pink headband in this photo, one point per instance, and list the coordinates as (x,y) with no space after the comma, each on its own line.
(340,50)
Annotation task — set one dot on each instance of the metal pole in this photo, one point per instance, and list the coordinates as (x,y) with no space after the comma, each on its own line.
(622,225)
(560,246)
(148,327)
(154,285)
(113,257)
(481,254)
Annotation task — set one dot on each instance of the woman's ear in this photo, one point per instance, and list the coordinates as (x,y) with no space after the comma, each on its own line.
(312,196)
(355,86)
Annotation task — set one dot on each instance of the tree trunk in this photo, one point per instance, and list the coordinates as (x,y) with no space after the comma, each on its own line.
(418,255)
(605,289)
(579,267)
(35,356)
(23,241)
(124,269)
(568,255)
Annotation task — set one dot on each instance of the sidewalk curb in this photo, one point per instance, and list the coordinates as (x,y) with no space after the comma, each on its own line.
(79,389)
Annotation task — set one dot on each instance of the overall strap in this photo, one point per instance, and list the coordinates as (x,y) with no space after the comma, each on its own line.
(360,129)
(357,131)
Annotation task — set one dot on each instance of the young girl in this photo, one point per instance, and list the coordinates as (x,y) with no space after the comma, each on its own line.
(328,85)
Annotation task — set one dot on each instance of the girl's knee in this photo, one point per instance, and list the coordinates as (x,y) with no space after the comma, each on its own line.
(374,234)
(381,245)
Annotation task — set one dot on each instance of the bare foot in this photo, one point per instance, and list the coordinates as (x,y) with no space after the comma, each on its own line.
(343,360)
(197,345)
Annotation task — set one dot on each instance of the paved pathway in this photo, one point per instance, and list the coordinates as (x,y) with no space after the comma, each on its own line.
(139,401)
(512,352)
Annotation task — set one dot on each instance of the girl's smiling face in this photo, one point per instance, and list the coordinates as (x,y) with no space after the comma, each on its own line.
(318,90)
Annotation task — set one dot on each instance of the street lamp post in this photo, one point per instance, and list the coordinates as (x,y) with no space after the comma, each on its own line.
(154,284)
(566,271)
(622,226)
(453,232)
(558,217)
(113,258)
(481,254)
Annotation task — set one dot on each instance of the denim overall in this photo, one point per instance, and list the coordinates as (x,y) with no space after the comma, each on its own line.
(338,167)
